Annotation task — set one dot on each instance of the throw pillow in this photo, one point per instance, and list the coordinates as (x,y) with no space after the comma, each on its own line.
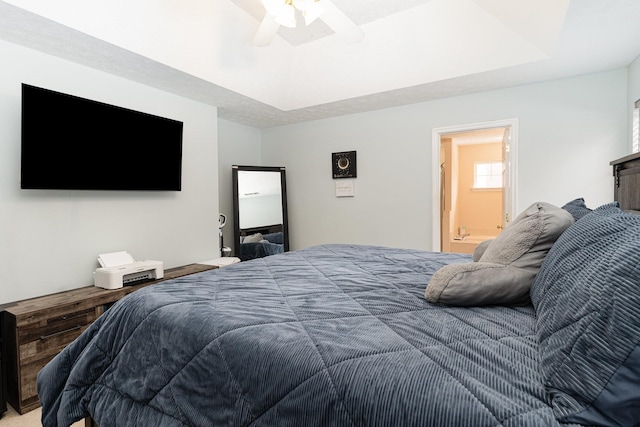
(587,300)
(577,208)
(253,238)
(508,265)
(479,250)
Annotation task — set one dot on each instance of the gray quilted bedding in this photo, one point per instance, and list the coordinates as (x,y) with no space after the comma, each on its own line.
(333,335)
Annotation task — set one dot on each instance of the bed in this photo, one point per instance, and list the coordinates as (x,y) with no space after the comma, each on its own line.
(260,245)
(346,335)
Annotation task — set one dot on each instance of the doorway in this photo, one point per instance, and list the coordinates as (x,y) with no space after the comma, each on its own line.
(474,178)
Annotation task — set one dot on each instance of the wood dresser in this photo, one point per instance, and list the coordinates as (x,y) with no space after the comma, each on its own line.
(626,171)
(35,330)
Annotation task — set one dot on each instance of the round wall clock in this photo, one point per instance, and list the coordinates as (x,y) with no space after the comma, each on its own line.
(344,164)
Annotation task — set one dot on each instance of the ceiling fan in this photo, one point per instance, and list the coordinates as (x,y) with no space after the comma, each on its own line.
(283,12)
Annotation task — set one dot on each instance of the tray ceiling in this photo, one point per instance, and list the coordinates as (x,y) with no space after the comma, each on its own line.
(413,50)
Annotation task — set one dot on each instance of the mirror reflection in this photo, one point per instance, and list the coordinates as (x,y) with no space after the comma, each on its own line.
(260,211)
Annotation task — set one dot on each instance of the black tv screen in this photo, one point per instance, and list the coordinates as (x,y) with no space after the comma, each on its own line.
(72,143)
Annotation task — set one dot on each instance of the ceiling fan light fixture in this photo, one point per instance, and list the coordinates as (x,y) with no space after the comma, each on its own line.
(284,11)
(274,7)
(313,12)
(287,16)
(303,5)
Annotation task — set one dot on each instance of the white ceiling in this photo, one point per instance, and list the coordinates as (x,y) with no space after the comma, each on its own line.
(358,11)
(413,50)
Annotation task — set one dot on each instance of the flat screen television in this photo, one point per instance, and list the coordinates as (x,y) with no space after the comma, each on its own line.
(72,143)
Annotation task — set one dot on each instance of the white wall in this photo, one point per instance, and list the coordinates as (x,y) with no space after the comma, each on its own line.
(633,94)
(238,145)
(569,130)
(50,239)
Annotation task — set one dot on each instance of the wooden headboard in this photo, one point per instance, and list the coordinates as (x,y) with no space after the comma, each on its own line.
(626,186)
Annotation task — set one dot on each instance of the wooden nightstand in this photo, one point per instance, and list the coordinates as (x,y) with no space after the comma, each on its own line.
(35,330)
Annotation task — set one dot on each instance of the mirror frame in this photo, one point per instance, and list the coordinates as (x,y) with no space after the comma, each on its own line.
(236,204)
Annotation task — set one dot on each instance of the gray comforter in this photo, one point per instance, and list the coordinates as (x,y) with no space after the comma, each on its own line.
(333,335)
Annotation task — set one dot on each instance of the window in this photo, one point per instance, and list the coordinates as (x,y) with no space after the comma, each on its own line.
(636,127)
(488,175)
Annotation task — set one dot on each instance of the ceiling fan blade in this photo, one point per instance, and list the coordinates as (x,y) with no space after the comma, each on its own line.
(340,23)
(267,31)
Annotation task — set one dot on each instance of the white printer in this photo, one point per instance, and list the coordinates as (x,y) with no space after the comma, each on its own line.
(119,269)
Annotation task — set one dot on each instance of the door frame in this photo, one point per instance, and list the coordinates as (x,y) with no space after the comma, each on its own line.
(511,163)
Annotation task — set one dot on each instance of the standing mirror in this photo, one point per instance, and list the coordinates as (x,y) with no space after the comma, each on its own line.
(260,211)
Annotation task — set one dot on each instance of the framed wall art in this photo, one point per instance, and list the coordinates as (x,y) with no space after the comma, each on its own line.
(344,164)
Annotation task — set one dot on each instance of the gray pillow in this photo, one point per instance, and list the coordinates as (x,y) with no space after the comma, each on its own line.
(253,238)
(587,300)
(479,250)
(508,265)
(577,208)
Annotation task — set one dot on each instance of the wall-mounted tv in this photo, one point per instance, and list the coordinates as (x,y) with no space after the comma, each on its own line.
(72,143)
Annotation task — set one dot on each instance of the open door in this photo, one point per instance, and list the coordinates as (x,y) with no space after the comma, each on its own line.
(507,202)
(444,225)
